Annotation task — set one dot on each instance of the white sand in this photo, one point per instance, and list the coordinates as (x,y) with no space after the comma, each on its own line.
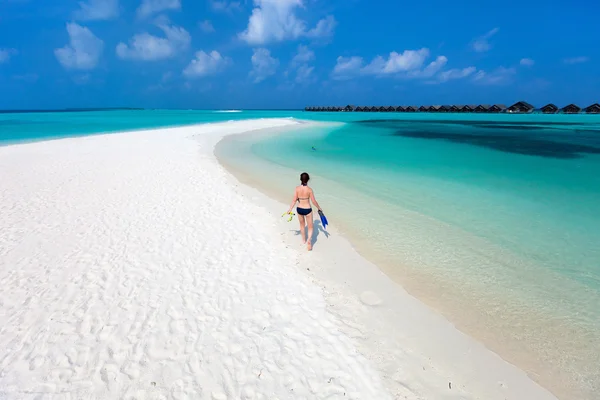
(133,266)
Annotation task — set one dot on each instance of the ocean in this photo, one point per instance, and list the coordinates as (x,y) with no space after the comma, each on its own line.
(491,219)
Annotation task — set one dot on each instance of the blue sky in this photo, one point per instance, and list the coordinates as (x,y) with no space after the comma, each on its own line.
(292,53)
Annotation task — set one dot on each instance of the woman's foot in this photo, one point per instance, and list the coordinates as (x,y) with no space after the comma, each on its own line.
(309,246)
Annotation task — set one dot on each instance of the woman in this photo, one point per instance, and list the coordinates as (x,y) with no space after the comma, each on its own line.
(304,195)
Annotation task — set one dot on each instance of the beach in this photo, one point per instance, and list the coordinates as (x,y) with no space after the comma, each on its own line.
(133,265)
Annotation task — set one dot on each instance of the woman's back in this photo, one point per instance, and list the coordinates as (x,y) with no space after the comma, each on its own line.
(303,193)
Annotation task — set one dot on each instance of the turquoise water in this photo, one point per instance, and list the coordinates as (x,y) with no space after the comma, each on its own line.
(22,127)
(494,220)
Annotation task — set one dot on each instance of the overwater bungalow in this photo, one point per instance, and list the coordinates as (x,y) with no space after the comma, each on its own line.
(593,109)
(549,109)
(571,109)
(482,108)
(374,108)
(382,108)
(358,109)
(400,109)
(435,108)
(520,107)
(348,108)
(411,108)
(391,109)
(455,108)
(469,108)
(445,108)
(424,108)
(497,108)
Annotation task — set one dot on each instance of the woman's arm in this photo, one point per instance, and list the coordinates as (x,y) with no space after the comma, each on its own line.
(293,202)
(312,198)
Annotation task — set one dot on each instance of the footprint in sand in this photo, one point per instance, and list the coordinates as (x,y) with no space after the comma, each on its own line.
(370,299)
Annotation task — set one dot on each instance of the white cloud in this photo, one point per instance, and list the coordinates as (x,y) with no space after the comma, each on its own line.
(576,60)
(303,56)
(408,64)
(225,6)
(6,54)
(527,62)
(147,47)
(83,51)
(97,10)
(263,64)
(300,66)
(206,26)
(304,74)
(482,44)
(455,73)
(499,76)
(434,67)
(276,21)
(205,64)
(323,29)
(409,60)
(347,67)
(149,7)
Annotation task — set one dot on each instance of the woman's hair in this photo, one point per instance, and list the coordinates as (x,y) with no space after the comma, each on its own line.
(304,178)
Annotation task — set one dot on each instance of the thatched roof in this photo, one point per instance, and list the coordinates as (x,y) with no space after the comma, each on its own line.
(549,109)
(593,109)
(400,109)
(411,108)
(571,109)
(521,106)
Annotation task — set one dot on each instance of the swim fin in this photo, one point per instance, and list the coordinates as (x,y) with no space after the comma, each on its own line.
(323,220)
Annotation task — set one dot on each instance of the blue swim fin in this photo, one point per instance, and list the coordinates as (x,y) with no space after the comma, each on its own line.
(323,220)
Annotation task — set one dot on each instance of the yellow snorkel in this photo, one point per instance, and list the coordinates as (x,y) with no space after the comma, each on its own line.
(291,214)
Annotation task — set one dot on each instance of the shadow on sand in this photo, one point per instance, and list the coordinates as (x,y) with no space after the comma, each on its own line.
(317,230)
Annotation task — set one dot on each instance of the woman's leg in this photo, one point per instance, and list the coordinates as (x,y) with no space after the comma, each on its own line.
(309,222)
(302,221)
